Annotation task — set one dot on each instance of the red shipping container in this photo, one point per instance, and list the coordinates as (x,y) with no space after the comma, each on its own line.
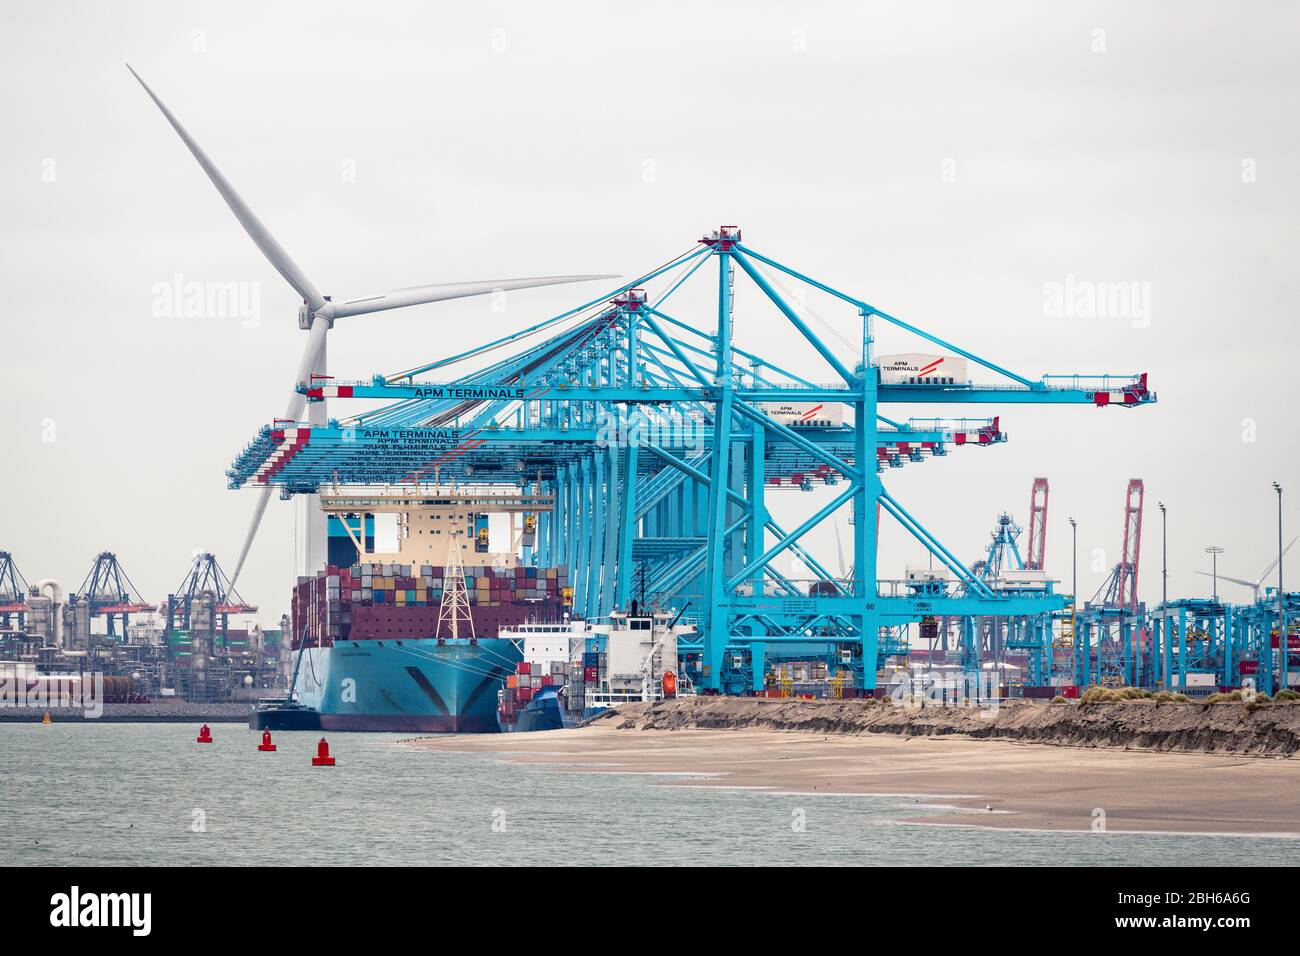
(525,667)
(1250,667)
(590,675)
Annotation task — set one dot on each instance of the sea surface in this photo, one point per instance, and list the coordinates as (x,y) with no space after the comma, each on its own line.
(128,794)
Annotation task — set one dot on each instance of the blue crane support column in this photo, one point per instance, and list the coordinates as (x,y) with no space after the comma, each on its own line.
(1166,649)
(543,538)
(672,511)
(552,526)
(571,522)
(633,376)
(1182,648)
(627,520)
(736,544)
(1046,648)
(866,510)
(583,562)
(1130,636)
(716,603)
(1264,670)
(594,575)
(1081,653)
(754,541)
(596,516)
(1230,624)
(758,666)
(556,555)
(608,598)
(697,505)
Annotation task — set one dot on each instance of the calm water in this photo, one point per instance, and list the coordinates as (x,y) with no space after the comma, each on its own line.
(128,794)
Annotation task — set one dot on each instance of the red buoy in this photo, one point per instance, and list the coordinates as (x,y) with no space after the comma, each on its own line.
(266,742)
(205,735)
(322,758)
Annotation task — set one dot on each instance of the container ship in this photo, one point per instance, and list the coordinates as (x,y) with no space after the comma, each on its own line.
(399,645)
(570,672)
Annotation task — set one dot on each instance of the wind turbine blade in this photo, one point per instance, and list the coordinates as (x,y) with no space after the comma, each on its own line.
(294,412)
(311,353)
(1273,564)
(1224,577)
(417,295)
(273,251)
(258,510)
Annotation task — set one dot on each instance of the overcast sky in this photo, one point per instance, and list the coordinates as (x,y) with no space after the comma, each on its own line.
(948,162)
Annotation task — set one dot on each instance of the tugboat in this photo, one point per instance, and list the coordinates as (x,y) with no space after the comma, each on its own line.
(288,712)
(283,713)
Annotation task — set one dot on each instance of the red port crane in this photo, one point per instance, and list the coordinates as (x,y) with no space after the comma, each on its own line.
(1037,546)
(1121,588)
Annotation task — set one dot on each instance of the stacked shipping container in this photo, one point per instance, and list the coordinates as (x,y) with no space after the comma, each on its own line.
(532,676)
(379,601)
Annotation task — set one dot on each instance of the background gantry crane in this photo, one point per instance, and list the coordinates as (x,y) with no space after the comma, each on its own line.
(109,593)
(1036,550)
(1112,642)
(1120,590)
(207,583)
(13,593)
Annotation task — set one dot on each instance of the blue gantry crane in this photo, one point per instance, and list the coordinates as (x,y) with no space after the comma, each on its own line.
(658,441)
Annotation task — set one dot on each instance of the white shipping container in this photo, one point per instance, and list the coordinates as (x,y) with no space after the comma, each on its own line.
(940,573)
(1201,680)
(1024,578)
(918,368)
(805,414)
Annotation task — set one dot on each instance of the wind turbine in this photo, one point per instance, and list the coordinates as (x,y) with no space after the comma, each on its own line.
(317,316)
(1258,582)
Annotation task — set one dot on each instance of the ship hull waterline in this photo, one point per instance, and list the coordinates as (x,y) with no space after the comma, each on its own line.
(407,686)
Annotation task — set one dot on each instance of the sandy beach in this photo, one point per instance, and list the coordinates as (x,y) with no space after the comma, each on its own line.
(1028,786)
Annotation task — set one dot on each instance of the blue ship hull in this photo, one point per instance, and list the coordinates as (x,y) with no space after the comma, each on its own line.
(420,686)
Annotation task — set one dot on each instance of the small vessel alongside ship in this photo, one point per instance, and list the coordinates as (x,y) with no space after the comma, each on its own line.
(572,672)
(283,713)
(287,712)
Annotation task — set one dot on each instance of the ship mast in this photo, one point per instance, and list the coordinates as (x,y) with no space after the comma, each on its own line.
(455,597)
